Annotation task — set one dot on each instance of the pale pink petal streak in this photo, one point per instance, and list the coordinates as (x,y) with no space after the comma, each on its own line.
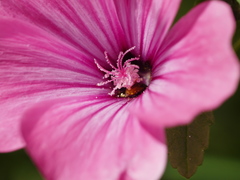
(146,22)
(36,66)
(91,26)
(91,138)
(196,69)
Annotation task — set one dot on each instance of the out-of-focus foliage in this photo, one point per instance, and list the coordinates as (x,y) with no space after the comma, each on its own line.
(214,168)
(186,144)
(17,166)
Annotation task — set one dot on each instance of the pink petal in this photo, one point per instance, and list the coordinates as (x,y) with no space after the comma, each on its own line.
(92,139)
(196,69)
(35,66)
(91,26)
(146,22)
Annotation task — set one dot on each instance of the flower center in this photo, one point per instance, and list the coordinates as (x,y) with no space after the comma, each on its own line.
(125,76)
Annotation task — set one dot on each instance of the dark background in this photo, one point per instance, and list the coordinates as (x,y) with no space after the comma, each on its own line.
(222,158)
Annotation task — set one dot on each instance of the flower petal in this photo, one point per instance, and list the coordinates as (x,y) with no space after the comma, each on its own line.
(35,66)
(196,69)
(92,139)
(146,23)
(90,26)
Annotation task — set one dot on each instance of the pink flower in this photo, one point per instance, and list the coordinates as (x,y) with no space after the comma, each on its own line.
(76,125)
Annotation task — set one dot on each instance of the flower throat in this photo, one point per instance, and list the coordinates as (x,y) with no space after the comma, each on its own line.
(130,76)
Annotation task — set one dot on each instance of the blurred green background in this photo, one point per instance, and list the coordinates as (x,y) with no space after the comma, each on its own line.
(222,158)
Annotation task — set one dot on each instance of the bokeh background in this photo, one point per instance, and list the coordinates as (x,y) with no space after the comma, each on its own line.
(222,158)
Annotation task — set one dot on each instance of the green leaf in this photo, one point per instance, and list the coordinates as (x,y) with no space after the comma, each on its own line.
(186,144)
(214,168)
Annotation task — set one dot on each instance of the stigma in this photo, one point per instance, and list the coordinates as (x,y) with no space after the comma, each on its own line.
(124,75)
